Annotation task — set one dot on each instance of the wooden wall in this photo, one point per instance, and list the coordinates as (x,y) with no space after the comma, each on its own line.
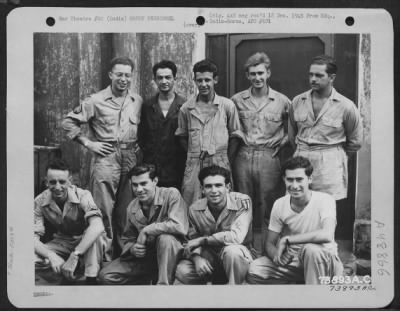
(70,66)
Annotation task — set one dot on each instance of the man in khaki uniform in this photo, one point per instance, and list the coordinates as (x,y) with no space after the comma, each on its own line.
(208,128)
(219,249)
(72,215)
(156,225)
(113,115)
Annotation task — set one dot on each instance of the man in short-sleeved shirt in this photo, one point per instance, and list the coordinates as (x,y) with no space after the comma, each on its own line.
(72,215)
(263,116)
(156,225)
(208,125)
(159,122)
(220,235)
(113,115)
(300,244)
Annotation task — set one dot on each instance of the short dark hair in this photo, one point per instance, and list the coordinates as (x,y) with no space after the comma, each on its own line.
(214,170)
(58,164)
(142,169)
(330,62)
(257,59)
(165,64)
(205,65)
(297,162)
(123,60)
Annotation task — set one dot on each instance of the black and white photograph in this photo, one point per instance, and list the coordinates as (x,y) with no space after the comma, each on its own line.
(212,148)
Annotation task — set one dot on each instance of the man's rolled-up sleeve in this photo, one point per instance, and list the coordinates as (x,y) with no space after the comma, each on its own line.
(353,129)
(81,114)
(89,206)
(182,129)
(234,126)
(39,228)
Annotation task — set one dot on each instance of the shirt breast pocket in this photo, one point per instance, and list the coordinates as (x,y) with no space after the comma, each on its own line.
(246,119)
(331,122)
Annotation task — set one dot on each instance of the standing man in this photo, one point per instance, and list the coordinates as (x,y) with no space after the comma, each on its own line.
(220,233)
(113,115)
(263,116)
(208,125)
(300,242)
(72,215)
(325,127)
(156,225)
(157,128)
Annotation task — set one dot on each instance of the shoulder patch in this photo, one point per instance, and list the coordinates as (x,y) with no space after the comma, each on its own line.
(77,109)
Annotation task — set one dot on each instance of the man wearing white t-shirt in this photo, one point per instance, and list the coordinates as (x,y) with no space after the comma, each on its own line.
(300,244)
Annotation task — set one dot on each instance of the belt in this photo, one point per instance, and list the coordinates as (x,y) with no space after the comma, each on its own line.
(258,147)
(123,145)
(204,154)
(319,147)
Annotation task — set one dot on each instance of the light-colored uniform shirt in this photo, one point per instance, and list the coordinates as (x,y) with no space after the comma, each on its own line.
(338,123)
(72,220)
(262,124)
(108,120)
(211,135)
(233,226)
(168,215)
(288,222)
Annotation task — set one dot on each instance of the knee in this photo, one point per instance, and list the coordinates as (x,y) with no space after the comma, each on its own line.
(311,250)
(165,240)
(232,252)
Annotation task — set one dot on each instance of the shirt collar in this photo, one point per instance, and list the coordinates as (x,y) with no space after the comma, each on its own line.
(201,204)
(157,202)
(71,198)
(108,94)
(192,102)
(333,97)
(246,94)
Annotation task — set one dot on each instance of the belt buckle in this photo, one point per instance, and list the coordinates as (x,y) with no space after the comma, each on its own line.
(123,145)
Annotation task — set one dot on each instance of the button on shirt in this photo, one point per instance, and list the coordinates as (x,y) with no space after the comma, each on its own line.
(337,123)
(233,225)
(108,120)
(211,135)
(72,220)
(262,125)
(168,215)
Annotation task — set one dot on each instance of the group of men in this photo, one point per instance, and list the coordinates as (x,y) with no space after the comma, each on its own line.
(138,228)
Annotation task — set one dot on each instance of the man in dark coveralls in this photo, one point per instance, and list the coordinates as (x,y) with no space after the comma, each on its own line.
(158,124)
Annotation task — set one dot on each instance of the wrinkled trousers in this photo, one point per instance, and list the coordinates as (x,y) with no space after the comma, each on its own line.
(313,262)
(112,193)
(257,174)
(160,260)
(63,246)
(230,265)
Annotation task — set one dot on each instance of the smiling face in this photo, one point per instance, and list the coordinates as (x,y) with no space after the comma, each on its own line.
(319,79)
(144,187)
(205,83)
(58,182)
(258,76)
(297,183)
(121,77)
(215,190)
(165,80)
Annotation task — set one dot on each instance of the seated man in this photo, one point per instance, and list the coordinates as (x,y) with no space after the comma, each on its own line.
(156,225)
(300,244)
(220,233)
(77,222)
